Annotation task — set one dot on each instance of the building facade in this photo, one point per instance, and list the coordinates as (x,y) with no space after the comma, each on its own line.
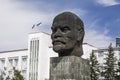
(13,58)
(34,61)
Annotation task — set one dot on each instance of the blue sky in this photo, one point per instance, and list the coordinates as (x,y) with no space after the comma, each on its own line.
(101,19)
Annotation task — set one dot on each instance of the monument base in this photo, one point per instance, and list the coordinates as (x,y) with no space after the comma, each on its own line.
(69,68)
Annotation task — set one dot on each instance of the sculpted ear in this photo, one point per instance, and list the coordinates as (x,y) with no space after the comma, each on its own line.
(80,35)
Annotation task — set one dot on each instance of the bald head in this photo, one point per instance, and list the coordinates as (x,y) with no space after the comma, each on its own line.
(67,34)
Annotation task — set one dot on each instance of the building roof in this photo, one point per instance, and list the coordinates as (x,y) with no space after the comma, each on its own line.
(13,50)
(89,45)
(39,32)
(106,49)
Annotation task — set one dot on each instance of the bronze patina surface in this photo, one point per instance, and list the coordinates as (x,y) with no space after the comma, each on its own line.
(67,34)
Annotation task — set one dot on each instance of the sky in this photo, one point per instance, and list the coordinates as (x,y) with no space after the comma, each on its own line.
(101,20)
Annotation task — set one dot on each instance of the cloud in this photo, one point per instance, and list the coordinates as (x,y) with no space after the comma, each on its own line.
(97,38)
(108,2)
(16,21)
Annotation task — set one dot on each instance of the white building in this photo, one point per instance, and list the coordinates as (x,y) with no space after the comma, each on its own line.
(13,58)
(101,54)
(34,61)
(39,50)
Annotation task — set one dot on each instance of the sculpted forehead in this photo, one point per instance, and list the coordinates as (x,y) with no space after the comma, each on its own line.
(62,23)
(67,18)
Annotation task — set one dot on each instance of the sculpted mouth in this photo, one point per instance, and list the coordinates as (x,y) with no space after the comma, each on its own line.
(58,42)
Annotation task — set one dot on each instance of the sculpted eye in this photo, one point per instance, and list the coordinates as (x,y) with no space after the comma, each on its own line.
(65,29)
(53,30)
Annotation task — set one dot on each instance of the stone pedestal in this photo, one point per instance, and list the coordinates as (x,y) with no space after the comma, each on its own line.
(69,68)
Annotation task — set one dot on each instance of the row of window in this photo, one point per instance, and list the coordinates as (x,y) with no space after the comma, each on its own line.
(6,65)
(33,65)
(103,53)
(13,62)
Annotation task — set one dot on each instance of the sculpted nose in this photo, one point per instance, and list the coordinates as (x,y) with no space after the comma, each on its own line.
(58,33)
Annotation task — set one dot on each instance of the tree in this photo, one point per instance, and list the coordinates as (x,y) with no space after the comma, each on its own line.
(3,74)
(109,72)
(117,77)
(17,75)
(94,67)
(7,78)
(1,77)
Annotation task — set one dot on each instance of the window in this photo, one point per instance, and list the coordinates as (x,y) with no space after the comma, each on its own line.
(12,62)
(2,63)
(100,54)
(24,66)
(24,62)
(119,54)
(15,62)
(24,73)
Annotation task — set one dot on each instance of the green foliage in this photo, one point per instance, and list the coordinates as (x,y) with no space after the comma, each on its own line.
(1,77)
(94,67)
(3,74)
(109,72)
(17,75)
(7,78)
(117,77)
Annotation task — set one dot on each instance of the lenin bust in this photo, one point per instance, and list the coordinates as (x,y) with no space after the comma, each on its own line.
(67,34)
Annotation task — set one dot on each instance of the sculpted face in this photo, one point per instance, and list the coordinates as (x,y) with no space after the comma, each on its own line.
(65,34)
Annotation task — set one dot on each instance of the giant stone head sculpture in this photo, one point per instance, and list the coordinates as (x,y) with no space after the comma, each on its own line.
(67,34)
